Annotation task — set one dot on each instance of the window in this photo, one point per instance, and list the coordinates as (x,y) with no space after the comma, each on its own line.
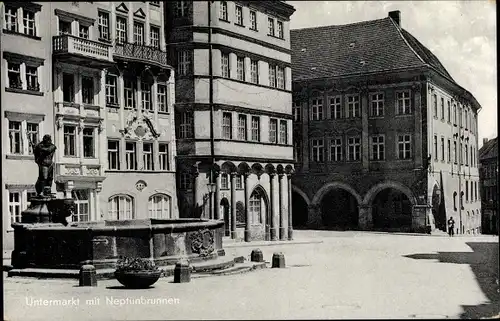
(83,32)
(270,26)
(471,156)
(403,103)
(163,156)
(184,62)
(336,149)
(147,156)
(130,156)
(442,149)
(225,65)
(435,148)
(283,132)
(129,89)
(273,124)
(81,213)
(466,155)
(435,105)
(103,25)
(442,108)
(159,206)
(239,181)
(253,20)
(378,148)
(254,207)
(87,90)
(254,71)
(154,36)
(377,104)
(121,207)
(138,33)
(455,151)
(162,98)
(113,154)
(466,191)
(353,148)
(64,27)
(111,91)
(255,128)
(15,137)
(11,18)
(69,140)
(455,201)
(181,9)
(353,108)
(240,68)
(223,11)
(68,87)
(454,114)
(146,95)
(29,22)
(242,127)
(280,77)
(296,111)
(335,107)
(272,75)
(317,109)
(449,111)
(224,181)
(121,30)
(32,78)
(404,146)
(185,181)
(317,150)
(466,116)
(88,143)
(186,125)
(239,15)
(32,132)
(227,126)
(280,29)
(14,74)
(449,151)
(15,206)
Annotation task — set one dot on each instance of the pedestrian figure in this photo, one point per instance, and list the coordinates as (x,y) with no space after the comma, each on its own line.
(451,226)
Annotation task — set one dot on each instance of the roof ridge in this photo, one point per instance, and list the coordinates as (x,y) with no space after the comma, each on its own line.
(399,30)
(342,25)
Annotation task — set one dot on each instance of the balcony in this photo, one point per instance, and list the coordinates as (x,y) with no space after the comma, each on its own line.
(132,52)
(80,51)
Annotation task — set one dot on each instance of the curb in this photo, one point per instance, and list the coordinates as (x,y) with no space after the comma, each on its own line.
(268,243)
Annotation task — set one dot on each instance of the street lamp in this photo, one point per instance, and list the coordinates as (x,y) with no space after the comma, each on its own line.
(211,188)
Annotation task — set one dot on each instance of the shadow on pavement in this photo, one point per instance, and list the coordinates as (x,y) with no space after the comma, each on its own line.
(484,263)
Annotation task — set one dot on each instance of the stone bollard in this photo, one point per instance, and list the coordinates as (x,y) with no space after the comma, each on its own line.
(257,256)
(182,272)
(278,260)
(88,276)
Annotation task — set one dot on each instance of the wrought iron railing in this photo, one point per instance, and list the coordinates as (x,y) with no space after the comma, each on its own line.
(82,46)
(145,53)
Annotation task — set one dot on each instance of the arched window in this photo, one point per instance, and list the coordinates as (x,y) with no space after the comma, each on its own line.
(255,207)
(121,207)
(455,201)
(159,206)
(82,208)
(462,200)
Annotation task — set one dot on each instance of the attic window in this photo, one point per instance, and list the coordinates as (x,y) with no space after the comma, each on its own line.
(362,62)
(303,49)
(352,45)
(313,68)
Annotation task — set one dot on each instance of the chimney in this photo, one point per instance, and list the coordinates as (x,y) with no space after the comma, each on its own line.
(396,16)
(485,140)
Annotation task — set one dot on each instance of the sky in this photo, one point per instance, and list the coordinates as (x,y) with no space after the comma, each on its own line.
(462,34)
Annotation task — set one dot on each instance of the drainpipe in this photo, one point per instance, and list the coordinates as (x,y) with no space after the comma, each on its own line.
(211,97)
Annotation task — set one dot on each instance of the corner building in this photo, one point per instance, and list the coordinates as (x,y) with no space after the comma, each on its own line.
(385,139)
(97,80)
(488,172)
(233,113)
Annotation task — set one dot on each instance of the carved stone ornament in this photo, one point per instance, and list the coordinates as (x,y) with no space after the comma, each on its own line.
(140,127)
(202,242)
(140,185)
(59,122)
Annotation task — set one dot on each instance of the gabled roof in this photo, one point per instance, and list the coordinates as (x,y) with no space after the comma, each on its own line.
(489,149)
(358,48)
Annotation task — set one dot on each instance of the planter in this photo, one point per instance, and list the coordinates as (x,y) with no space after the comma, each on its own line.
(137,279)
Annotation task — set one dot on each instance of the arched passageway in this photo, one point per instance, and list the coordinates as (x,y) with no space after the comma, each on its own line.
(392,210)
(339,210)
(299,211)
(258,207)
(224,209)
(438,209)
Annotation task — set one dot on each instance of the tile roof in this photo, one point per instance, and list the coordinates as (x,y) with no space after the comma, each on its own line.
(363,47)
(489,149)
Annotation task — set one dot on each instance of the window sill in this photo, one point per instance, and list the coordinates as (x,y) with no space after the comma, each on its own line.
(103,40)
(19,157)
(276,37)
(166,113)
(376,117)
(23,91)
(239,25)
(224,20)
(155,4)
(7,31)
(403,115)
(113,106)
(250,28)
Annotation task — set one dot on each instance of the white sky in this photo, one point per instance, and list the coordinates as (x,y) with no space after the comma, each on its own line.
(462,34)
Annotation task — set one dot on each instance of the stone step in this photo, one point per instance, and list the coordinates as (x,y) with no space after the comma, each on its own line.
(239,268)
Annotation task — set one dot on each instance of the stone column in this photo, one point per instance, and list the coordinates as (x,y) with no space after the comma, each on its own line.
(70,185)
(282,215)
(233,205)
(217,195)
(247,212)
(365,220)
(98,201)
(274,217)
(290,225)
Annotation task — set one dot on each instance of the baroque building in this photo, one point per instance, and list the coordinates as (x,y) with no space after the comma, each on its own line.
(233,113)
(384,136)
(488,172)
(97,80)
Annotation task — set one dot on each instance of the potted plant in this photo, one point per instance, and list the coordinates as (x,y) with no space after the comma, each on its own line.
(136,273)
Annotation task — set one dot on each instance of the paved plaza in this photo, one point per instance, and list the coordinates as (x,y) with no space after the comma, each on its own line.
(329,275)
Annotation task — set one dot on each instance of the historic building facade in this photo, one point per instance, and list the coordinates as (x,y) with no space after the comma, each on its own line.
(97,80)
(488,171)
(384,137)
(233,113)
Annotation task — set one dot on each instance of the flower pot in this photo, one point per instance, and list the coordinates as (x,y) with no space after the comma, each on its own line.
(137,279)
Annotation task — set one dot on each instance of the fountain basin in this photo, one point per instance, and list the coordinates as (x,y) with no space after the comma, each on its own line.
(53,246)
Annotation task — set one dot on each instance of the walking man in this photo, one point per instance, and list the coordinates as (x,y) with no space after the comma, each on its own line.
(451,226)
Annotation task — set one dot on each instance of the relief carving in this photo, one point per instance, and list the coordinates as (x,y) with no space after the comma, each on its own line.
(202,242)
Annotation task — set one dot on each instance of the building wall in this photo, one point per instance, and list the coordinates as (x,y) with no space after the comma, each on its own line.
(489,193)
